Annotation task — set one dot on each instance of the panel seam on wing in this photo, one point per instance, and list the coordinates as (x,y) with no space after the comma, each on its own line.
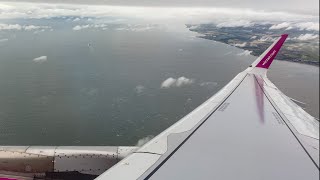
(145,152)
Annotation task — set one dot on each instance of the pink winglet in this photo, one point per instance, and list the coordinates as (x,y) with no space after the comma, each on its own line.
(269,57)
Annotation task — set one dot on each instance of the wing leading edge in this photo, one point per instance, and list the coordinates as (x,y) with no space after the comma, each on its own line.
(248,130)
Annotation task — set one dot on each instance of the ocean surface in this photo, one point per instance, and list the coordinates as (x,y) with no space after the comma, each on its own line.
(102,86)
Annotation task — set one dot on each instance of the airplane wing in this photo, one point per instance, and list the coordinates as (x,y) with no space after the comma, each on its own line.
(248,130)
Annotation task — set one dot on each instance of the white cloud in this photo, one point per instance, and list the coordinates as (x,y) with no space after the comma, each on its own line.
(79,27)
(311,26)
(193,27)
(139,89)
(11,10)
(168,82)
(280,26)
(240,45)
(172,82)
(40,59)
(39,31)
(123,27)
(241,23)
(100,25)
(144,140)
(208,84)
(21,27)
(305,37)
(174,18)
(245,53)
(136,27)
(4,40)
(33,27)
(288,28)
(10,27)
(182,81)
(76,19)
(142,28)
(87,26)
(267,38)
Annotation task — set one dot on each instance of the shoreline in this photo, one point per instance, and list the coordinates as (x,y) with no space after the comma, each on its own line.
(316,64)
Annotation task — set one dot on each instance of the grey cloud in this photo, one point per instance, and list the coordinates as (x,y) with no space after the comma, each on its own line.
(306,6)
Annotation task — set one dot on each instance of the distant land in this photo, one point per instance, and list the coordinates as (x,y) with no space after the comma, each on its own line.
(302,45)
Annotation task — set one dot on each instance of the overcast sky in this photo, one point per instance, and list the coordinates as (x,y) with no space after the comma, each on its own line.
(296,6)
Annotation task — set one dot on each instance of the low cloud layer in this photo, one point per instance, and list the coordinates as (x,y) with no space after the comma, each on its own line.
(305,37)
(40,59)
(267,38)
(234,16)
(241,23)
(90,26)
(78,27)
(245,53)
(172,82)
(21,27)
(280,26)
(141,19)
(306,6)
(76,19)
(311,26)
(121,27)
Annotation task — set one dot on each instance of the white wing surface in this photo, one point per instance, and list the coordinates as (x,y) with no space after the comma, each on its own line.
(248,130)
